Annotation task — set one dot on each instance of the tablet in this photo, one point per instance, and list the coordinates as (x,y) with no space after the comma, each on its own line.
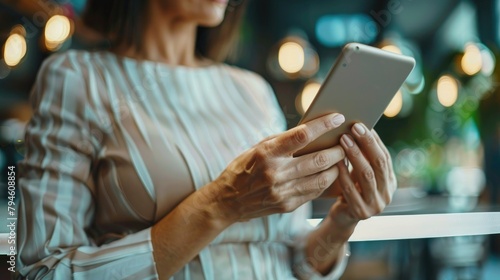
(360,85)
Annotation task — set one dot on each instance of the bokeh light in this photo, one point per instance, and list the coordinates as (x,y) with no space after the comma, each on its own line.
(311,62)
(392,48)
(395,105)
(471,61)
(488,62)
(18,29)
(14,49)
(57,30)
(447,90)
(291,57)
(339,29)
(415,82)
(307,95)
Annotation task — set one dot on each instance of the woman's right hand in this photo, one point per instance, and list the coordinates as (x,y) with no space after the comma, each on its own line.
(267,179)
(264,180)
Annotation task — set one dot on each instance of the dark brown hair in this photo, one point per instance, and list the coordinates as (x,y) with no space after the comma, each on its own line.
(122,23)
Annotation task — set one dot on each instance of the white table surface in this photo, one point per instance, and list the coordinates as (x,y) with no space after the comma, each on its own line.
(397,227)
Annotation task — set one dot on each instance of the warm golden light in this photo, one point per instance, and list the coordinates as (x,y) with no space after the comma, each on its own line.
(18,29)
(291,57)
(395,105)
(472,61)
(14,49)
(308,94)
(57,30)
(392,48)
(447,90)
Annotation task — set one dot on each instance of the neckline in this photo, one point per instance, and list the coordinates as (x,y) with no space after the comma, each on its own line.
(128,59)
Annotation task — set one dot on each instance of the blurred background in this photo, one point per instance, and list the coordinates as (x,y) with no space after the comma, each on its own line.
(442,127)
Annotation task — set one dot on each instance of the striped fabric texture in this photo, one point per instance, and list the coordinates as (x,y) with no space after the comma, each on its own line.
(116,143)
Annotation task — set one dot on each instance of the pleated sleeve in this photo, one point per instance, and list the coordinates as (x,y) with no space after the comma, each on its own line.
(56,186)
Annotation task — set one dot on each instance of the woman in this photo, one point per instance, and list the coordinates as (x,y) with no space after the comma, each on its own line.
(154,160)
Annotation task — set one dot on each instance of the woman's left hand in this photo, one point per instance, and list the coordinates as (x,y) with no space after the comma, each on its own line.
(369,187)
(363,192)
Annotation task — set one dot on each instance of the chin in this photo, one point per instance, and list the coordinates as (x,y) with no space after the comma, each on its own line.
(210,22)
(207,13)
(212,18)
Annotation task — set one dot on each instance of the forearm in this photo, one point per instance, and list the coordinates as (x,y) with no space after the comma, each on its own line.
(185,231)
(325,244)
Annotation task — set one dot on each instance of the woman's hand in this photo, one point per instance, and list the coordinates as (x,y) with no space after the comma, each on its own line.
(267,179)
(369,187)
(364,192)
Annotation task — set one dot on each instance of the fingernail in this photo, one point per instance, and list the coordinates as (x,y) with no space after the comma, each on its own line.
(338,119)
(347,140)
(359,128)
(346,162)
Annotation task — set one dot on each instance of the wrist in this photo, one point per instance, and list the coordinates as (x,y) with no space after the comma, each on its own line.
(198,215)
(340,228)
(213,208)
(325,246)
(340,220)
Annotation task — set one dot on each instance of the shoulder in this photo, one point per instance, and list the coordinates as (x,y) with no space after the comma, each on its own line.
(72,60)
(61,76)
(246,76)
(66,68)
(251,83)
(70,68)
(254,85)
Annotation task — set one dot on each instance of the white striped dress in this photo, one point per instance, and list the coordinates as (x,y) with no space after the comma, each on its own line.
(116,143)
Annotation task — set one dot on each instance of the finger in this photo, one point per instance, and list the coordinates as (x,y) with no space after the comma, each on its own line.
(299,200)
(313,163)
(357,206)
(333,191)
(290,196)
(279,196)
(380,142)
(362,170)
(377,155)
(373,152)
(373,149)
(314,184)
(268,138)
(298,137)
(383,147)
(392,176)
